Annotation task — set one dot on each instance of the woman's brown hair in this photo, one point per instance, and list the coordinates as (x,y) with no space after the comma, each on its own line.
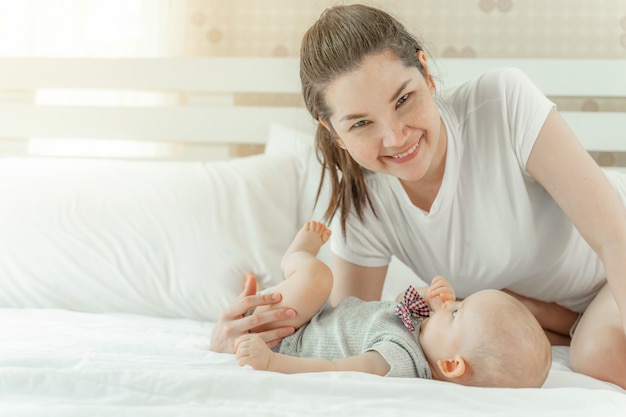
(336,44)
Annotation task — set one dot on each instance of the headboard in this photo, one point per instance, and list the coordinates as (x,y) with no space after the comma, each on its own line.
(223,107)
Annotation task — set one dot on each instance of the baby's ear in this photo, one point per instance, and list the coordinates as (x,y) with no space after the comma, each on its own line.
(452,368)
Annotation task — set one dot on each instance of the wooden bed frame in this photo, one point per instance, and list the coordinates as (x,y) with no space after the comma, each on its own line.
(223,107)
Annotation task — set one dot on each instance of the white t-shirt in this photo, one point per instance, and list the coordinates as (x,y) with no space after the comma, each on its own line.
(491,224)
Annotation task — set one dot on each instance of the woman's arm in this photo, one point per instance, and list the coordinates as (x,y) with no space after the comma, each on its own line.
(350,279)
(251,350)
(556,321)
(559,162)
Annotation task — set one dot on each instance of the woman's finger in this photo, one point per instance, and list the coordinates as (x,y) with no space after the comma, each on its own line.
(264,317)
(249,285)
(241,305)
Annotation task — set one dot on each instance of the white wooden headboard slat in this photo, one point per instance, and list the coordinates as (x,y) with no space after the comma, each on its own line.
(599,131)
(216,75)
(207,124)
(558,77)
(555,77)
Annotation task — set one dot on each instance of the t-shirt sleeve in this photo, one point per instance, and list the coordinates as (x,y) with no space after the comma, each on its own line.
(401,363)
(364,243)
(527,109)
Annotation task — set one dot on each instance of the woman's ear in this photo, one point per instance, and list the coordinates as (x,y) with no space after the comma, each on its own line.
(331,132)
(452,368)
(323,123)
(421,56)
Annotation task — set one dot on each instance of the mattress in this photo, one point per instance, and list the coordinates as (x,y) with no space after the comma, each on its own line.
(63,363)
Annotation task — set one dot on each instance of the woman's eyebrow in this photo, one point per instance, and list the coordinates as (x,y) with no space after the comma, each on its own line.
(391,100)
(399,90)
(353,116)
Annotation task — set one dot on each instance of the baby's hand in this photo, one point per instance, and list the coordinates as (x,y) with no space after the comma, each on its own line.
(251,349)
(439,292)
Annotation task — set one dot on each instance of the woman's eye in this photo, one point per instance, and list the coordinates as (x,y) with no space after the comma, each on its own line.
(402,99)
(360,123)
(454,312)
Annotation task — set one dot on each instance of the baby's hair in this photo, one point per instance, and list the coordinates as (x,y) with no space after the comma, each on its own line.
(512,351)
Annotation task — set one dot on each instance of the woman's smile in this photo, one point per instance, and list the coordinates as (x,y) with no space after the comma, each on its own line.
(408,154)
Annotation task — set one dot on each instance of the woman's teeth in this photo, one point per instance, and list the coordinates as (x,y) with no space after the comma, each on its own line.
(407,153)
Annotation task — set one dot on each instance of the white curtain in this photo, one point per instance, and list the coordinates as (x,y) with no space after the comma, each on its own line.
(93,28)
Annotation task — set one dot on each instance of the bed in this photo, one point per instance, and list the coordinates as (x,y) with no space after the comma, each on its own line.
(113,270)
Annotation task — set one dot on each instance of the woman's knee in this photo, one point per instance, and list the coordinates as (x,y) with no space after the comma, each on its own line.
(600,353)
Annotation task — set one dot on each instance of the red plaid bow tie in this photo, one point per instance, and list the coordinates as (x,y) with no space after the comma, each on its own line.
(413,305)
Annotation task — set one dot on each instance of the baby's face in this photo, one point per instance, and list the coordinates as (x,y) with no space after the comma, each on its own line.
(456,324)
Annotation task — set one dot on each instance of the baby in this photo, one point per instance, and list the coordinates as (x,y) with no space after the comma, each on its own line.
(489,339)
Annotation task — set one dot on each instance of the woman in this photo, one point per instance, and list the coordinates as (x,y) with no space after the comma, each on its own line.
(484,184)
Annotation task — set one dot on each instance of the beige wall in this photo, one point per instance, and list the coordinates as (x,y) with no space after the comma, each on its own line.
(481,28)
(584,29)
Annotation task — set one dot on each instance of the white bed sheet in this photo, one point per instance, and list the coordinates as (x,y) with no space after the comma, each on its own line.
(63,363)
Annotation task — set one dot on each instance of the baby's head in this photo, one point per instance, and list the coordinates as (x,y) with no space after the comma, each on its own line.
(490,339)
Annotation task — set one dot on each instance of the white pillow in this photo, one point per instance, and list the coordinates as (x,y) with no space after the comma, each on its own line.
(301,144)
(169,239)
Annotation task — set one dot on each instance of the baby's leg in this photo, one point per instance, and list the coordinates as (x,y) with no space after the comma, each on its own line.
(308,281)
(309,240)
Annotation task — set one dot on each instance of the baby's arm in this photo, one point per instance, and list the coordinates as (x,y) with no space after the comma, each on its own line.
(439,292)
(436,294)
(251,350)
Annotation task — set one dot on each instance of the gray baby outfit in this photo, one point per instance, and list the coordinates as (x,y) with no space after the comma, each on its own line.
(355,326)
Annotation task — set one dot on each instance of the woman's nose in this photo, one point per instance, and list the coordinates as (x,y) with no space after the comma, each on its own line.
(394,137)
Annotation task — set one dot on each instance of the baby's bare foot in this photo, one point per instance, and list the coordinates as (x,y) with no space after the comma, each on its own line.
(310,238)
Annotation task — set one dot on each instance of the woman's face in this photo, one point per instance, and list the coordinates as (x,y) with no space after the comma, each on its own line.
(384,115)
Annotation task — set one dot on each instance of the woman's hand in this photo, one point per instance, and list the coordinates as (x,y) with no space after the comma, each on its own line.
(233,323)
(251,349)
